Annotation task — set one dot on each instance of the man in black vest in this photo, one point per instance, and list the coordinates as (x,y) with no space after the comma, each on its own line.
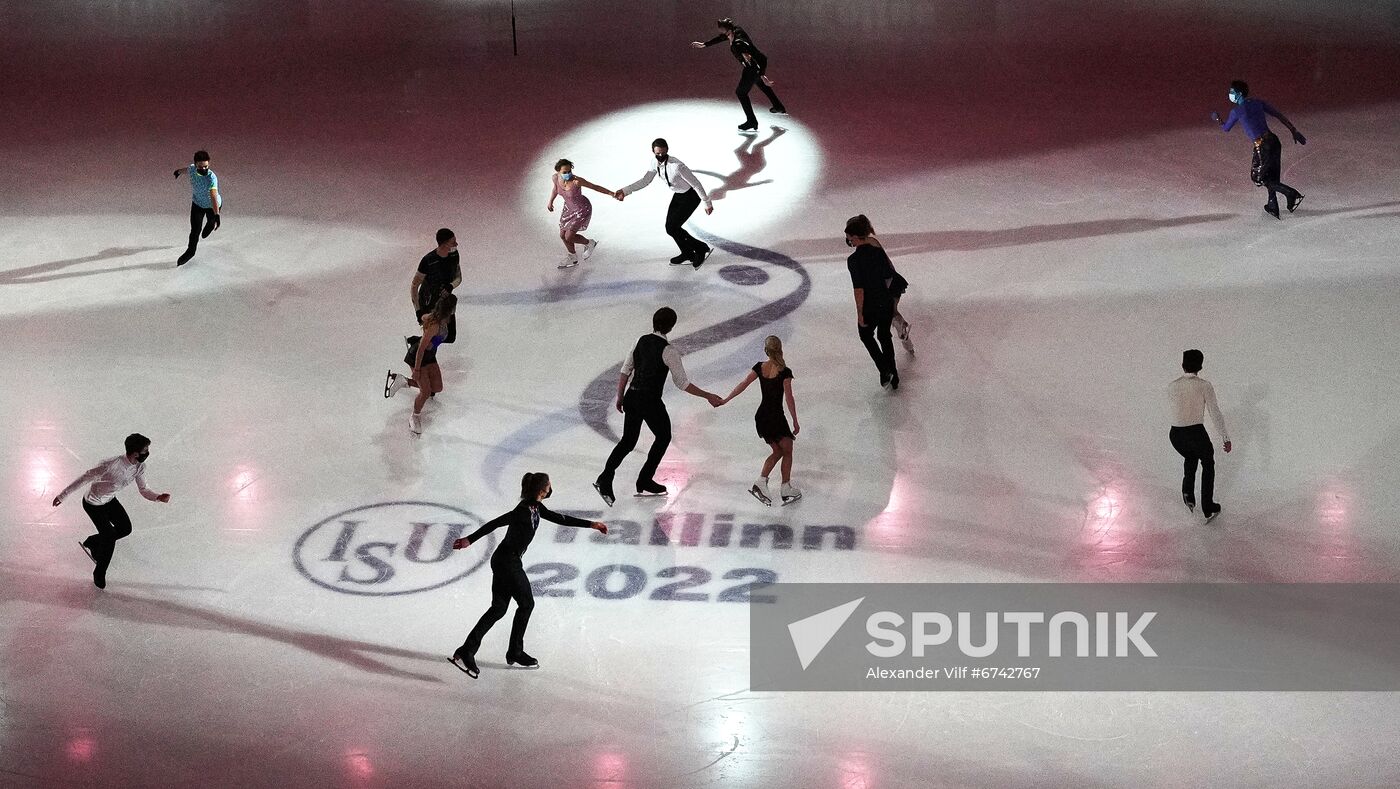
(646,367)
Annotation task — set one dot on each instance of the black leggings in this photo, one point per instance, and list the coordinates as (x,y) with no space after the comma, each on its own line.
(112,524)
(508,582)
(878,327)
(747,80)
(1266,168)
(683,204)
(198,216)
(636,409)
(1193,444)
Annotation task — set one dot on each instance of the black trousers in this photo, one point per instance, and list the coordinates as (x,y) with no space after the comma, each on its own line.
(876,336)
(1266,168)
(508,582)
(112,524)
(683,204)
(1193,444)
(198,216)
(636,409)
(747,80)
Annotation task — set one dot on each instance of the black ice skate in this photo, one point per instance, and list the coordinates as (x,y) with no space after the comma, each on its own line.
(1210,516)
(465,663)
(87,549)
(521,658)
(1293,203)
(605,490)
(650,489)
(1272,210)
(1189,501)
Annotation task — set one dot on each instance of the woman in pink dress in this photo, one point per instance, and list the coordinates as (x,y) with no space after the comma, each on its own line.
(573,220)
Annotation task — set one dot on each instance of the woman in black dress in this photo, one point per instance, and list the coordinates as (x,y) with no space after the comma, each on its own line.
(508,578)
(775,381)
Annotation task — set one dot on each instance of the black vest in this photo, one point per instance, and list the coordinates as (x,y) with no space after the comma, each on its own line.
(649,370)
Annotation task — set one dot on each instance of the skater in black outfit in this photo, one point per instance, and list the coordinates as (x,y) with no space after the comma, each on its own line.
(646,368)
(101,503)
(755,70)
(775,382)
(872,276)
(1191,396)
(686,195)
(1266,167)
(508,578)
(439,272)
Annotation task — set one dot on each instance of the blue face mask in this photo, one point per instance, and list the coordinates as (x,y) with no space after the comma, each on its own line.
(567,176)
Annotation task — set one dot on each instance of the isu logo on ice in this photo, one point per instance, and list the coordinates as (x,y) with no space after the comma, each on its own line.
(393,548)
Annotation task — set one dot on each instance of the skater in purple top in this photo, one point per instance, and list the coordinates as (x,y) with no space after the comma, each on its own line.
(1266,167)
(775,381)
(578,210)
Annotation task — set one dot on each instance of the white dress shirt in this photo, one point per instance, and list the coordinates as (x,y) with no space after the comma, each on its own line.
(108,477)
(670,356)
(1191,396)
(676,175)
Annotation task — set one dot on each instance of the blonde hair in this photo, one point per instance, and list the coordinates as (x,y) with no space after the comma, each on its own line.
(774,348)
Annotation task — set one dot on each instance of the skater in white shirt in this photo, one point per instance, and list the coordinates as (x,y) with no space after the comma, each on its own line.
(101,505)
(686,195)
(1191,396)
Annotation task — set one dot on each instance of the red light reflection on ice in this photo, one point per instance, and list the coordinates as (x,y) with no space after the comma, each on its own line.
(82,747)
(358,764)
(856,771)
(610,767)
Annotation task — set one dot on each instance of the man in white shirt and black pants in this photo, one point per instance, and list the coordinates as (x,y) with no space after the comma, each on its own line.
(646,368)
(101,503)
(1191,396)
(687,194)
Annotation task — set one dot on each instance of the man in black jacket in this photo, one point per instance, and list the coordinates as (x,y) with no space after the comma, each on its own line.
(645,368)
(755,67)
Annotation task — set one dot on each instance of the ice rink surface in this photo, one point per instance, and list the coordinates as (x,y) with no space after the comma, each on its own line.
(1043,173)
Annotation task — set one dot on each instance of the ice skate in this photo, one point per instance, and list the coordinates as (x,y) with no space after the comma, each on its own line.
(570,260)
(87,549)
(1293,203)
(1210,516)
(904,338)
(650,489)
(1272,210)
(465,663)
(522,659)
(605,491)
(393,382)
(749,126)
(759,490)
(1189,501)
(790,493)
(415,424)
(588,250)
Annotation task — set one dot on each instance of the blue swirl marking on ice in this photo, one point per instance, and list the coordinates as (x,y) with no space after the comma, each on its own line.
(596,402)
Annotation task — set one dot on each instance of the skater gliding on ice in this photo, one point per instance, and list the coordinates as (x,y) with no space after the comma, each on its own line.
(1266,168)
(775,383)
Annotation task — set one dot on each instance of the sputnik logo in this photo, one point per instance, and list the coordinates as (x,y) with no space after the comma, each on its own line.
(811,635)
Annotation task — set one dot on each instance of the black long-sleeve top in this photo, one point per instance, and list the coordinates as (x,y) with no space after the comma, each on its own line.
(743,50)
(521,524)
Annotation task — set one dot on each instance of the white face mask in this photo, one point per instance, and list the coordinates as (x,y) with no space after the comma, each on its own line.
(1235,98)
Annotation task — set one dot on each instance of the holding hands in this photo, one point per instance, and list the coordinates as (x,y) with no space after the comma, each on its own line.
(619,195)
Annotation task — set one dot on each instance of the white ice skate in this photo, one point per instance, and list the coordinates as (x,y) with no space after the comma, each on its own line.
(570,260)
(904,337)
(415,424)
(790,494)
(588,250)
(393,382)
(759,490)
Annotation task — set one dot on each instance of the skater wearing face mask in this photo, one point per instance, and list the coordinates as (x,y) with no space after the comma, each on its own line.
(872,277)
(1266,167)
(755,70)
(205,203)
(508,578)
(101,505)
(686,195)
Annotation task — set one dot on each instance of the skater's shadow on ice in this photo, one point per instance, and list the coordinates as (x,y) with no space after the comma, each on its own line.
(26,587)
(973,240)
(1307,210)
(751,162)
(35,273)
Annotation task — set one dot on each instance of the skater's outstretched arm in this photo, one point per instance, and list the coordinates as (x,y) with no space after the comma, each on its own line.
(636,185)
(486,528)
(88,476)
(568,520)
(591,185)
(146,492)
(791,404)
(710,43)
(741,386)
(1229,122)
(1297,135)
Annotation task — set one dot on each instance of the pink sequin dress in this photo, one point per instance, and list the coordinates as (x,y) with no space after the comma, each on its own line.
(577,209)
